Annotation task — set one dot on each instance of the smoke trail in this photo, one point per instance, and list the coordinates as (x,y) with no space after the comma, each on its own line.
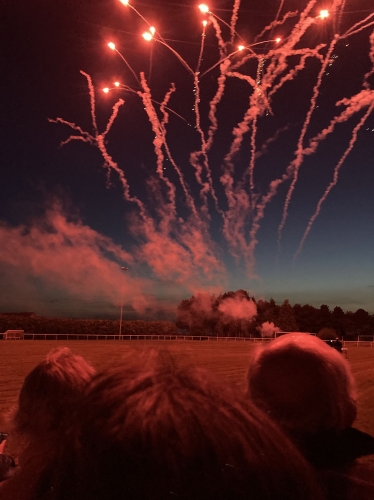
(357,28)
(99,141)
(335,178)
(275,23)
(234,19)
(299,150)
(221,43)
(159,131)
(371,56)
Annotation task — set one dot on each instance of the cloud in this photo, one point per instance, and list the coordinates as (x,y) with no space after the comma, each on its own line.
(57,257)
(57,265)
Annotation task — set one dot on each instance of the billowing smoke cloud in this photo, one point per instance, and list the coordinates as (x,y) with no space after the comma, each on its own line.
(238,307)
(55,256)
(267,329)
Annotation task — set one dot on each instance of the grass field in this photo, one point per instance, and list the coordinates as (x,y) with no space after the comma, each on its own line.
(227,360)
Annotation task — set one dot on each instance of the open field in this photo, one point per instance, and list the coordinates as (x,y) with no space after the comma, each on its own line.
(228,360)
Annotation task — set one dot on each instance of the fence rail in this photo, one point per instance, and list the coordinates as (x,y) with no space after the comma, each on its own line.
(176,337)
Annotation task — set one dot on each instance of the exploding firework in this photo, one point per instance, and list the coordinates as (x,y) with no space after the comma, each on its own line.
(247,99)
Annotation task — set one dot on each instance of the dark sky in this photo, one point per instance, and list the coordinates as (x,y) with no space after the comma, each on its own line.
(68,223)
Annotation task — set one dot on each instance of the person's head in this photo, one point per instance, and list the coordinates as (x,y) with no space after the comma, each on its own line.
(154,429)
(304,385)
(50,393)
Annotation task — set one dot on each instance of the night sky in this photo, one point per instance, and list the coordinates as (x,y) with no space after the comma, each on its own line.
(72,215)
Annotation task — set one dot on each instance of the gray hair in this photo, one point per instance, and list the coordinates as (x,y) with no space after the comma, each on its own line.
(304,385)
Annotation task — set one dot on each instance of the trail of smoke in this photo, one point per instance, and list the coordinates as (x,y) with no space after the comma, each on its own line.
(92,100)
(270,140)
(260,93)
(299,153)
(113,116)
(128,65)
(355,104)
(335,178)
(234,19)
(163,108)
(85,136)
(356,27)
(178,56)
(279,57)
(253,156)
(195,155)
(191,244)
(221,43)
(203,36)
(299,67)
(158,142)
(337,10)
(359,29)
(214,103)
(239,203)
(371,56)
(99,141)
(275,23)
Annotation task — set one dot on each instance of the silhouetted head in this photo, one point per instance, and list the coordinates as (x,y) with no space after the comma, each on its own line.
(50,393)
(155,429)
(304,385)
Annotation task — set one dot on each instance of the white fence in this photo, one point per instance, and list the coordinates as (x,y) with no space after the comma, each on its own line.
(176,337)
(358,343)
(60,336)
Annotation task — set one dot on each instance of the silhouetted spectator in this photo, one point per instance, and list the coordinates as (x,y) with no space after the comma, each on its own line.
(308,388)
(156,430)
(338,345)
(7,465)
(47,403)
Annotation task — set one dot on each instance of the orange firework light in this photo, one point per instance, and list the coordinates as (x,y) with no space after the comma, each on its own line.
(203,8)
(323,14)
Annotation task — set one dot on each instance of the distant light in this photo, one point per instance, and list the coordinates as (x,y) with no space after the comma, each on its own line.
(324,13)
(205,22)
(147,36)
(277,40)
(112,46)
(124,2)
(117,84)
(241,47)
(106,90)
(204,8)
(152,29)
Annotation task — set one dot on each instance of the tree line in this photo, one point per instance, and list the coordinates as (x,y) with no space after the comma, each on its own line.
(230,314)
(54,326)
(238,314)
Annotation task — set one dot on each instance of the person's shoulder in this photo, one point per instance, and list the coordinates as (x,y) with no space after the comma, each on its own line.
(344,486)
(330,450)
(7,466)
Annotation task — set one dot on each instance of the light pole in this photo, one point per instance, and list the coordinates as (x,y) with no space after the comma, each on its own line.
(124,269)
